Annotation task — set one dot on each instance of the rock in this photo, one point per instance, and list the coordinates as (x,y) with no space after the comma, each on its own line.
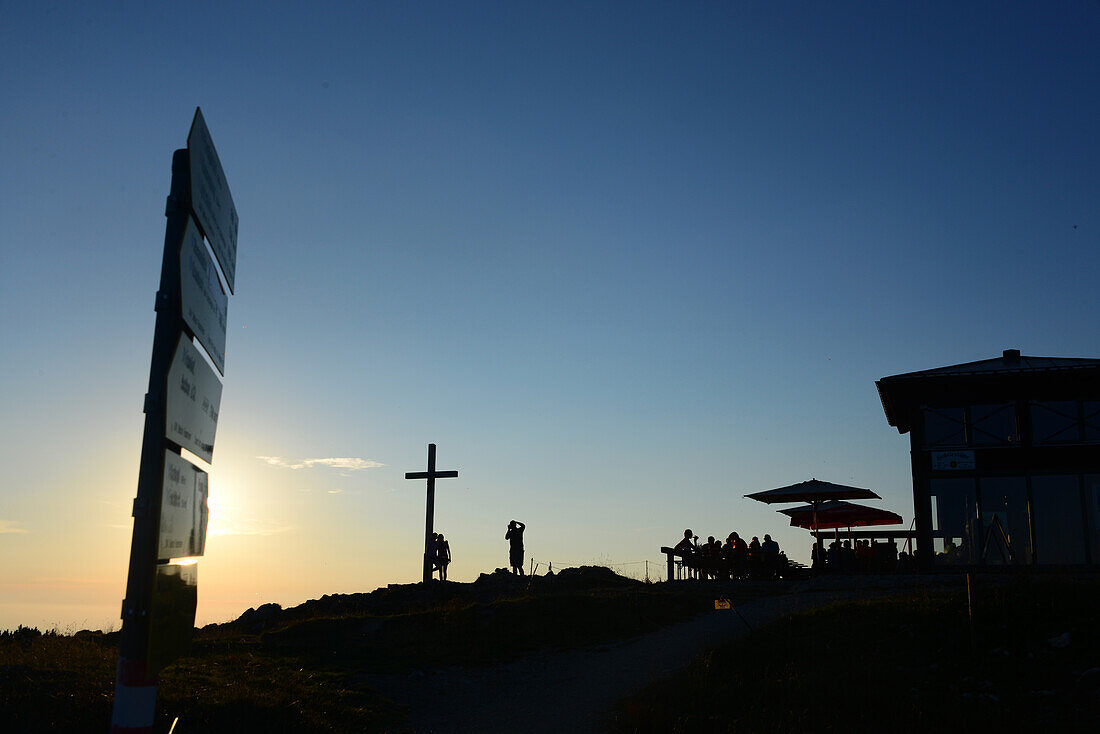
(255,620)
(1059,642)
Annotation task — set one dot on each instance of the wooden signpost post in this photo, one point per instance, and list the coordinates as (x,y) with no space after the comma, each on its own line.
(431,475)
(181,412)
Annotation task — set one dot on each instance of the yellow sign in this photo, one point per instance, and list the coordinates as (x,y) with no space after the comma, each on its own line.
(721,603)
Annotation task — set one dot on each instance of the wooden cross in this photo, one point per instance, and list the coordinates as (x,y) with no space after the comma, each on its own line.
(431,475)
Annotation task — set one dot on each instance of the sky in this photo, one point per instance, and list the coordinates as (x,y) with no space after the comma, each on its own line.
(624,263)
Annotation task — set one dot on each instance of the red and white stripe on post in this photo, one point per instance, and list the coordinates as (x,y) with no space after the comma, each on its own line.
(135,699)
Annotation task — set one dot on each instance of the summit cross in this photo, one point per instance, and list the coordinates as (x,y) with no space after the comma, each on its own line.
(431,475)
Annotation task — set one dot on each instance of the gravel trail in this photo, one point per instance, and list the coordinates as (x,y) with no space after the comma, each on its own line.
(574,690)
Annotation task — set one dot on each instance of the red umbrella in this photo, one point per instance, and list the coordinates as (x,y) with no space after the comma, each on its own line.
(839,515)
(816,493)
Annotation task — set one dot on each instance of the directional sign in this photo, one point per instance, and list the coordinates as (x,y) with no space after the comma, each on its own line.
(204,301)
(194,399)
(183,510)
(211,200)
(175,598)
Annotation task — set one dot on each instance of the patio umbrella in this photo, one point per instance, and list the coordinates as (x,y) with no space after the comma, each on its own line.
(822,507)
(815,492)
(839,515)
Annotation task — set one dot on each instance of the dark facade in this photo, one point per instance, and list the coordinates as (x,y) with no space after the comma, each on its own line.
(1005,455)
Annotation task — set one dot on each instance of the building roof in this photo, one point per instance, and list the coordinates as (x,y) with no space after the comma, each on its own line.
(893,389)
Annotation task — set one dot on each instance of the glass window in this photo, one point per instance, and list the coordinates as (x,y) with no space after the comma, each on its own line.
(954,521)
(1091,425)
(1092,513)
(1059,531)
(993,425)
(1054,421)
(1005,532)
(944,427)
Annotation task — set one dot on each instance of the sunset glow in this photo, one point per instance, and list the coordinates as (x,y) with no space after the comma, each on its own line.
(622,264)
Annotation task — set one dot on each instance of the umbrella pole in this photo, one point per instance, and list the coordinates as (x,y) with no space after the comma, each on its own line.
(855,556)
(817,537)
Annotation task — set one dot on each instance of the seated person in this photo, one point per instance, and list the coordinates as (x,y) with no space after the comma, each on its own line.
(686,549)
(740,555)
(770,550)
(727,556)
(755,557)
(712,552)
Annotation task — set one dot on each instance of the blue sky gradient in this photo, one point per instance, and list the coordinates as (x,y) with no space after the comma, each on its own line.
(622,262)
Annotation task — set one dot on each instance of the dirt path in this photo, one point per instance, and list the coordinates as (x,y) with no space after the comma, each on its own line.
(574,690)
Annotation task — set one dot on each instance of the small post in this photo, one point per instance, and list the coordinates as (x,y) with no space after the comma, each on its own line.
(970,614)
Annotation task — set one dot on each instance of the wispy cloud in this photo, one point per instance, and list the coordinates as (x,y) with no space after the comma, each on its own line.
(350,463)
(10,526)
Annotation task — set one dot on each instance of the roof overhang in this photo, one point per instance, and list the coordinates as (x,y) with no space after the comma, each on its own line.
(990,379)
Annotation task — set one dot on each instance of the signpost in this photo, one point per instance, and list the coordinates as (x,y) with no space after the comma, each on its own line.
(431,475)
(181,412)
(175,598)
(193,402)
(183,510)
(204,303)
(211,200)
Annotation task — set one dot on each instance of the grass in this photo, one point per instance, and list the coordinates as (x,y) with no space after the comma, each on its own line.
(54,682)
(902,664)
(898,664)
(294,672)
(51,682)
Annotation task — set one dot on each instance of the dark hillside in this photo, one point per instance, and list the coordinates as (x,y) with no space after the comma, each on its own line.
(277,670)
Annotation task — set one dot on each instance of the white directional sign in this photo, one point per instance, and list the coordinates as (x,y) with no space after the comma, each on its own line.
(204,301)
(194,399)
(183,509)
(211,200)
(952,460)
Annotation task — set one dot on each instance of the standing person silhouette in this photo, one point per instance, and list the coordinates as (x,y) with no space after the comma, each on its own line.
(515,550)
(443,556)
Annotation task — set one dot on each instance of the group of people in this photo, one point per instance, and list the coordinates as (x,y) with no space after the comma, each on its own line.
(439,550)
(713,559)
(439,553)
(863,557)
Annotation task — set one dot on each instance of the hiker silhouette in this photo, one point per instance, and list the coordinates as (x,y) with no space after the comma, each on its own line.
(515,550)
